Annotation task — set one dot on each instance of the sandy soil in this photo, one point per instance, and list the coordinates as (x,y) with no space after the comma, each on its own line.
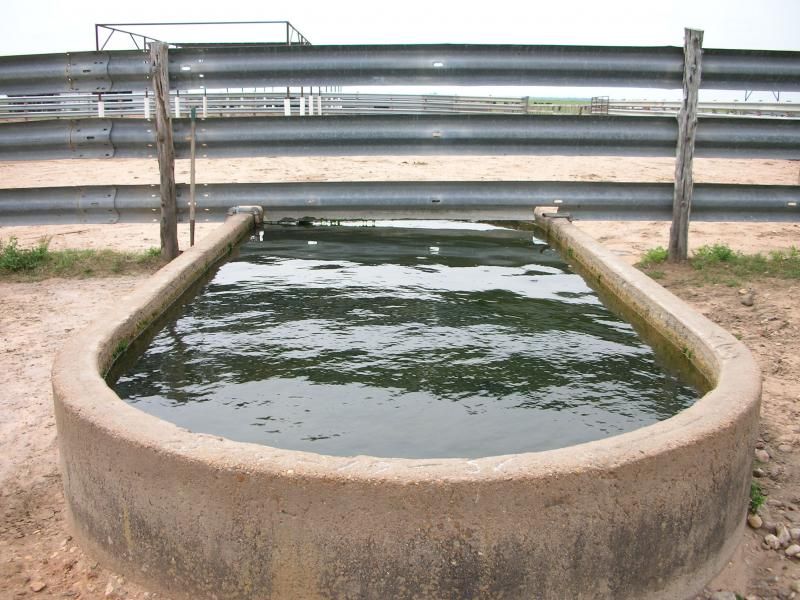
(396,168)
(37,555)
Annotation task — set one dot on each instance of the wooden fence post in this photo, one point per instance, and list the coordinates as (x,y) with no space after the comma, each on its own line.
(166,151)
(687,127)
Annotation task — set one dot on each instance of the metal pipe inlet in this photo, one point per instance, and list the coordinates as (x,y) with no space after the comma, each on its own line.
(653,513)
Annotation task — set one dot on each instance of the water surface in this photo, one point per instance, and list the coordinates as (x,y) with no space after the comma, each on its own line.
(401,343)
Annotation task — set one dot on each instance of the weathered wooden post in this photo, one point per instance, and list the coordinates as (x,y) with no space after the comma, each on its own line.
(166,151)
(687,127)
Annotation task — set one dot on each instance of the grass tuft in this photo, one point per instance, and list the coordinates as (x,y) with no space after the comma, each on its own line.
(654,256)
(714,254)
(40,262)
(718,263)
(757,497)
(14,259)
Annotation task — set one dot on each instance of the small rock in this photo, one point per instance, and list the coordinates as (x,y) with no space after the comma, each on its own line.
(69,563)
(761,444)
(38,586)
(772,541)
(762,455)
(747,299)
(792,550)
(754,521)
(723,596)
(795,585)
(759,472)
(795,533)
(113,589)
(783,535)
(785,448)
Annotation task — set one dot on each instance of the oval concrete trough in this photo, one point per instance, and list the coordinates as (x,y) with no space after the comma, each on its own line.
(652,513)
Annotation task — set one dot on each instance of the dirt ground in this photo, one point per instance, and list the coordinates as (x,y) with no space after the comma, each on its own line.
(38,558)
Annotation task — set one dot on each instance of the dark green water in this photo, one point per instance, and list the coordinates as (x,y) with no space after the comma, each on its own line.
(401,343)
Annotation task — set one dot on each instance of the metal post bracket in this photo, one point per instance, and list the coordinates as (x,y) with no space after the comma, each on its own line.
(97,205)
(88,72)
(90,138)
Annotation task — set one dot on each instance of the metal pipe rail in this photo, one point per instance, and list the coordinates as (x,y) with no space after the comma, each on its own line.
(225,104)
(700,113)
(507,200)
(221,67)
(219,104)
(400,135)
(759,108)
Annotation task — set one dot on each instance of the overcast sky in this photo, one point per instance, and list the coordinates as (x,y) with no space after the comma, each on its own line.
(59,26)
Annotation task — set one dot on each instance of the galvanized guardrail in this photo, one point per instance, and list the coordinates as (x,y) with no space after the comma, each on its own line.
(401,199)
(399,135)
(274,66)
(253,66)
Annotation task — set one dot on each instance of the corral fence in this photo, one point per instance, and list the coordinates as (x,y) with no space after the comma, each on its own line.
(259,104)
(227,103)
(388,124)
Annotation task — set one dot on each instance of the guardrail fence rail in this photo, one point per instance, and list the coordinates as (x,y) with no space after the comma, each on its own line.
(100,105)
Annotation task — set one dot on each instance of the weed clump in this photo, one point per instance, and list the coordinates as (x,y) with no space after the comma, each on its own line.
(14,259)
(40,262)
(654,256)
(718,263)
(713,254)
(756,497)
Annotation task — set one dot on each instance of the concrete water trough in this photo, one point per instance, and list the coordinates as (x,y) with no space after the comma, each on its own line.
(653,513)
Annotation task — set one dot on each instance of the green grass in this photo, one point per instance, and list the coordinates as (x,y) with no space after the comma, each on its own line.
(757,497)
(14,259)
(654,256)
(709,255)
(718,263)
(40,262)
(119,350)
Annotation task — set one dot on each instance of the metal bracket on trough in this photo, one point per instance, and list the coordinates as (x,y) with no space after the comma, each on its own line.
(256,211)
(558,215)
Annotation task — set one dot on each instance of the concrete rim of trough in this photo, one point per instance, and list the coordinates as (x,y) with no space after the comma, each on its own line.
(82,397)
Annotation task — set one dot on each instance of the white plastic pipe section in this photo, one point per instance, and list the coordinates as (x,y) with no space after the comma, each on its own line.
(313,104)
(308,103)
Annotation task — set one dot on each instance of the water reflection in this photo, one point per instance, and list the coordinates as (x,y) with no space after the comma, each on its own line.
(368,342)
